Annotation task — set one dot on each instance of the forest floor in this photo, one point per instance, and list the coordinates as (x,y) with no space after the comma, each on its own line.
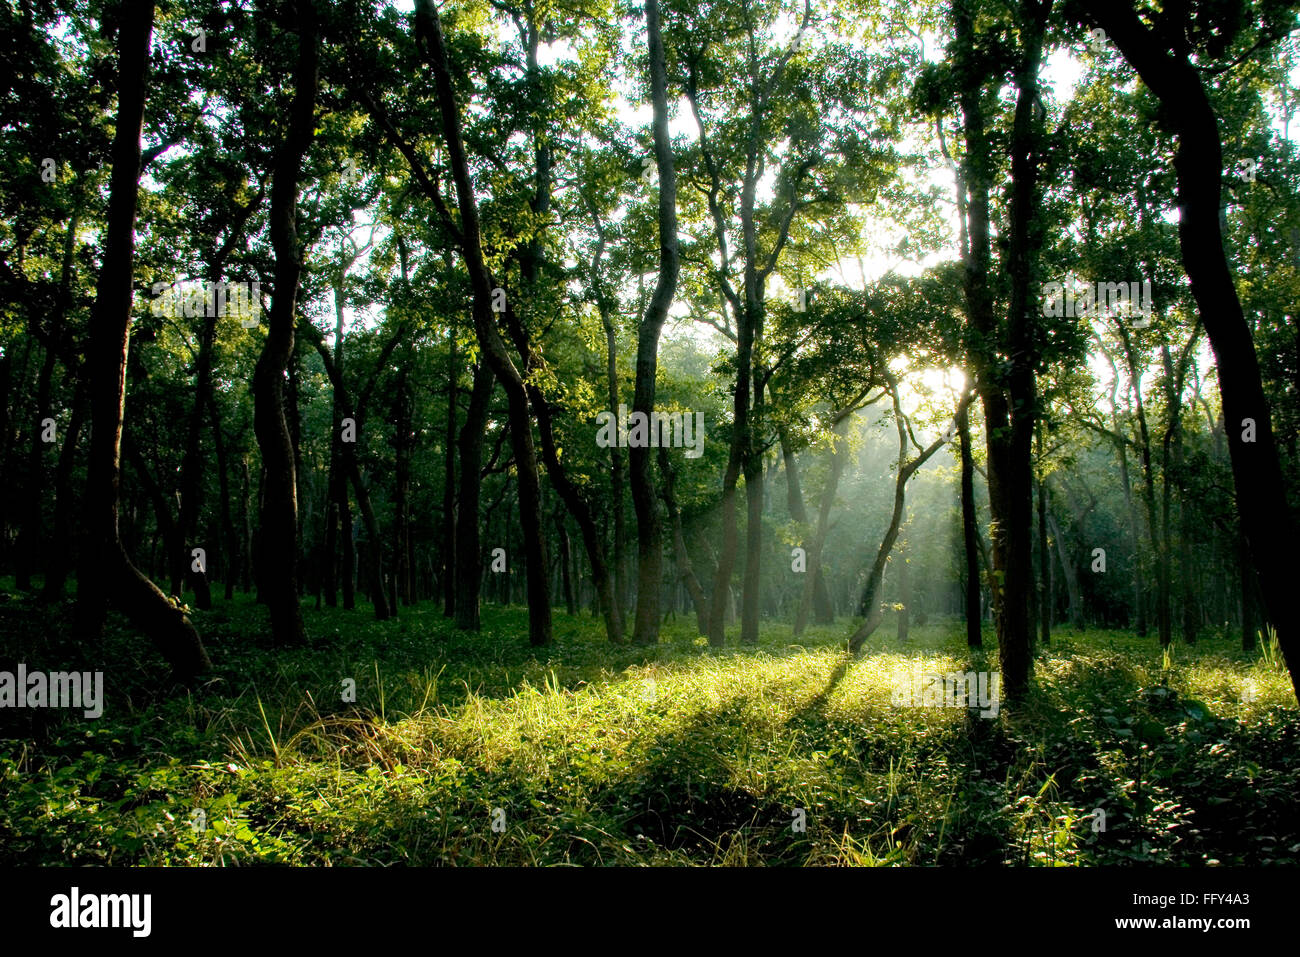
(476,749)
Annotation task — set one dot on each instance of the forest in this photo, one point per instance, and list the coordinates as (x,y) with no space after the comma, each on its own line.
(626,432)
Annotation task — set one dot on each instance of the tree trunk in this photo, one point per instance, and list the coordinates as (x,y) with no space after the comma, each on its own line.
(821,598)
(1256,470)
(1011,453)
(1007,394)
(871,593)
(403,449)
(566,580)
(278,557)
(469,558)
(685,570)
(489,337)
(191,471)
(449,562)
(616,469)
(1045,598)
(31,539)
(230,540)
(59,563)
(904,595)
(839,455)
(106,571)
(374,544)
(649,547)
(969,532)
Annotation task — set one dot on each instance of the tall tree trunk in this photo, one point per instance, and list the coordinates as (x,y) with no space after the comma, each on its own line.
(1008,396)
(489,337)
(403,448)
(1045,600)
(1139,586)
(969,532)
(374,544)
(106,571)
(278,557)
(338,482)
(293,416)
(649,547)
(230,540)
(449,562)
(1246,584)
(1011,452)
(721,599)
(578,507)
(753,468)
(469,559)
(1070,572)
(839,456)
(566,558)
(247,550)
(59,563)
(531,259)
(348,556)
(1172,474)
(617,479)
(904,595)
(191,471)
(31,539)
(685,570)
(821,598)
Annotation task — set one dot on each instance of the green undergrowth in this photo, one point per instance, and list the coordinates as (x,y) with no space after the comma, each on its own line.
(477,749)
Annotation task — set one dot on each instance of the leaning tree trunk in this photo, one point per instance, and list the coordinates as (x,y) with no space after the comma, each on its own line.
(106,571)
(875,579)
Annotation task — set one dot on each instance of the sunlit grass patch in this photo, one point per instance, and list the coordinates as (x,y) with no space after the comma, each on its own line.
(477,749)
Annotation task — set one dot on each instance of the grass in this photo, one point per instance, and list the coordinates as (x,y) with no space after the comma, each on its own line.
(474,749)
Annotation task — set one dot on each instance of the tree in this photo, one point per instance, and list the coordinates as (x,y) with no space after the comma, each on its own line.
(649,535)
(429,28)
(278,559)
(1161,54)
(106,572)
